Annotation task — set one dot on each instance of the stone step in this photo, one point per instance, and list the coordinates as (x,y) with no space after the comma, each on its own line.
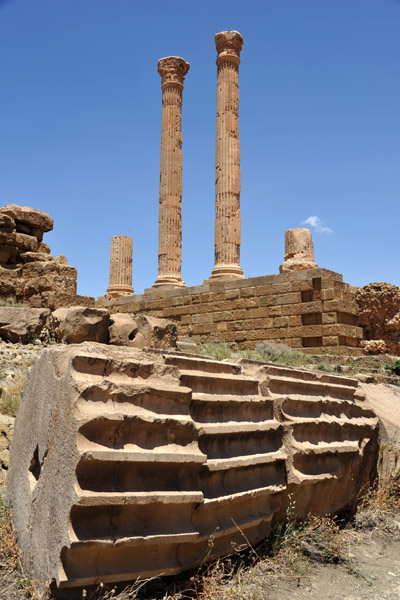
(195,363)
(234,427)
(223,464)
(117,368)
(212,503)
(87,498)
(287,385)
(306,448)
(145,431)
(296,406)
(210,407)
(178,455)
(300,374)
(219,383)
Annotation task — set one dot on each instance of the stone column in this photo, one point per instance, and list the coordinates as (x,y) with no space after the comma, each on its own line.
(120,283)
(227,158)
(299,251)
(172,70)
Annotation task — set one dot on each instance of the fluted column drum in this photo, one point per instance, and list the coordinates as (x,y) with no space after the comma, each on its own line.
(120,282)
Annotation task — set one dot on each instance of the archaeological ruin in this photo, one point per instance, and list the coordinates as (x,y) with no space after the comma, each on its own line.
(156,460)
(131,459)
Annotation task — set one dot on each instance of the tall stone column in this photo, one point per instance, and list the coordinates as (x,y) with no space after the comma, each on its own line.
(227,158)
(120,283)
(172,70)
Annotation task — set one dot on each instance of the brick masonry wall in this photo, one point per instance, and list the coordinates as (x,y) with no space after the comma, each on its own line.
(310,309)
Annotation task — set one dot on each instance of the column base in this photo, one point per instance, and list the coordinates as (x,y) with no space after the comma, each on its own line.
(226,272)
(168,281)
(118,291)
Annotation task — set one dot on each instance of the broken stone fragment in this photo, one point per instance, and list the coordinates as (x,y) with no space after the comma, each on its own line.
(78,324)
(157,333)
(30,217)
(7,223)
(122,330)
(22,324)
(299,251)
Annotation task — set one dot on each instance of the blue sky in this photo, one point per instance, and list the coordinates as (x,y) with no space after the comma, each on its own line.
(80,115)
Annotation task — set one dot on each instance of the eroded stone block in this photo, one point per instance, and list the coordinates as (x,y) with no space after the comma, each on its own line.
(129,463)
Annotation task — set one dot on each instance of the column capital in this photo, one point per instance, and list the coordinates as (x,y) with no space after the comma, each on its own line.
(229,45)
(172,70)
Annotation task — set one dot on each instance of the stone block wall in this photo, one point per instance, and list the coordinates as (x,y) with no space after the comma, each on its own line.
(312,309)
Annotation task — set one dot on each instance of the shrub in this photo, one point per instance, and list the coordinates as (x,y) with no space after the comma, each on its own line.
(394,367)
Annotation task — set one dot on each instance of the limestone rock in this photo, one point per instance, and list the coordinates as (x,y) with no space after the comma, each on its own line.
(7,223)
(125,462)
(299,251)
(39,279)
(80,324)
(6,435)
(157,333)
(374,347)
(139,341)
(22,324)
(28,217)
(122,329)
(379,314)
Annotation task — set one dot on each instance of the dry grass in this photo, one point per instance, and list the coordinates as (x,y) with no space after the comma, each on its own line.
(11,391)
(265,352)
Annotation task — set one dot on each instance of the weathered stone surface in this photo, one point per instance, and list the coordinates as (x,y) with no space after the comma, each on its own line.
(157,333)
(379,313)
(172,70)
(374,347)
(7,223)
(122,329)
(78,324)
(120,282)
(22,324)
(26,243)
(6,435)
(124,463)
(44,248)
(36,256)
(227,161)
(35,281)
(30,217)
(299,251)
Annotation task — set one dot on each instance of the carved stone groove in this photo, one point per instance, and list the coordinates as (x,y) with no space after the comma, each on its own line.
(172,70)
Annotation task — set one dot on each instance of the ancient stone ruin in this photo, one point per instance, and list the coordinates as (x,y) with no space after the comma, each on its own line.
(304,307)
(299,251)
(129,463)
(130,460)
(28,272)
(227,158)
(120,267)
(172,71)
(379,315)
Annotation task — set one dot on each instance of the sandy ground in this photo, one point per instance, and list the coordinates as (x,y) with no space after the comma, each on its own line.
(373,574)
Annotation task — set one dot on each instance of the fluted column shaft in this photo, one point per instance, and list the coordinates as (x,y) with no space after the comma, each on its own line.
(120,282)
(227,158)
(172,70)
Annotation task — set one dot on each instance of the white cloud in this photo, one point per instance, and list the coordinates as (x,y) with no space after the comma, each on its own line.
(318,225)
